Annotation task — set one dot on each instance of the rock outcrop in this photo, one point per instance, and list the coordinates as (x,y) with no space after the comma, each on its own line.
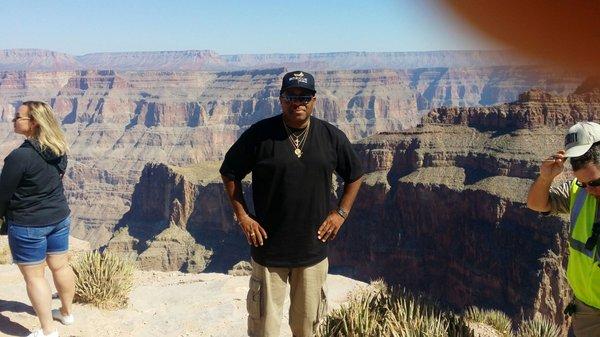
(444,213)
(242,268)
(179,220)
(534,108)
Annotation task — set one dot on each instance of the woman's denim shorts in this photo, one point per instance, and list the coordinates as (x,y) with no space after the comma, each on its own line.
(30,245)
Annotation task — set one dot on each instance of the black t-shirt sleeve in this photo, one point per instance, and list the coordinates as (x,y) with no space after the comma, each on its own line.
(240,158)
(348,165)
(12,172)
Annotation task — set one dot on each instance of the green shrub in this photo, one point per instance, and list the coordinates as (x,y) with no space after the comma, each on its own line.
(538,327)
(103,280)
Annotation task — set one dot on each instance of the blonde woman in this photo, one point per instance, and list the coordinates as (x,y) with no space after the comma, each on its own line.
(33,203)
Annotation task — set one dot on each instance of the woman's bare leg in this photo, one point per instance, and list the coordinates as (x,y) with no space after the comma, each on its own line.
(39,294)
(64,280)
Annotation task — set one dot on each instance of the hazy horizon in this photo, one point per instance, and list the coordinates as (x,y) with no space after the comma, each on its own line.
(273,53)
(234,27)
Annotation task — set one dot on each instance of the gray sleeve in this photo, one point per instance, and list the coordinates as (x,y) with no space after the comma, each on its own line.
(559,198)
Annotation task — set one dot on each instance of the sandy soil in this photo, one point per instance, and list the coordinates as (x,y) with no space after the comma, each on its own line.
(162,304)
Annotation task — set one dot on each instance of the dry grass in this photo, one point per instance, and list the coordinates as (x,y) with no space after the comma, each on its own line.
(103,280)
(538,327)
(5,257)
(494,318)
(381,311)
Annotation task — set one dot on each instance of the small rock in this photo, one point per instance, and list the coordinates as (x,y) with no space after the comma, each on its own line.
(242,268)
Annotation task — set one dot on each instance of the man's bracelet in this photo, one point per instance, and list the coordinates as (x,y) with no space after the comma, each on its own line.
(342,212)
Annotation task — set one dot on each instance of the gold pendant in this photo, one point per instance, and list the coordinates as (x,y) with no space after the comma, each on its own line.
(298,152)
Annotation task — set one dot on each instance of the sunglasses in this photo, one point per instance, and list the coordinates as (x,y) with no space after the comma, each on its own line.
(297,98)
(593,183)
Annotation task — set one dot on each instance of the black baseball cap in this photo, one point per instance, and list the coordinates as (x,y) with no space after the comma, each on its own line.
(298,79)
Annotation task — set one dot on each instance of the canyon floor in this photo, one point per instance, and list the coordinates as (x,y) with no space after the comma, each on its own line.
(161,304)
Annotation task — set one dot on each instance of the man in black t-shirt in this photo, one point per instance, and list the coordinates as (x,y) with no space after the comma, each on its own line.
(292,158)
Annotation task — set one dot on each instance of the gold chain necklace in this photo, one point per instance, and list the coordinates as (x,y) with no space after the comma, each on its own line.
(297,141)
(297,138)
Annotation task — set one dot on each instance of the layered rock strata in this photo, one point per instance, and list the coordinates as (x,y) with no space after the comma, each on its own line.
(117,121)
(179,220)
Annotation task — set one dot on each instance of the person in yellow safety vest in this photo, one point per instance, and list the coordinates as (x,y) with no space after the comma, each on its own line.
(578,197)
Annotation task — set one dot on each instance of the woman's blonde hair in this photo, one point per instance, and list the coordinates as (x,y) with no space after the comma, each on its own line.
(48,133)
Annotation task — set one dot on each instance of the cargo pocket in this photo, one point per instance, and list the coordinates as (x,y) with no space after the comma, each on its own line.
(253,304)
(323,306)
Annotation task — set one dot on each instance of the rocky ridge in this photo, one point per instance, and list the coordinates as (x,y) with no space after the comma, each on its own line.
(534,108)
(208,60)
(37,59)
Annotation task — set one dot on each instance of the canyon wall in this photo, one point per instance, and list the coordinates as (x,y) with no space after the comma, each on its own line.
(117,121)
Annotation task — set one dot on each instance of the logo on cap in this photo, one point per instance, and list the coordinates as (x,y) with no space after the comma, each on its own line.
(299,77)
(570,138)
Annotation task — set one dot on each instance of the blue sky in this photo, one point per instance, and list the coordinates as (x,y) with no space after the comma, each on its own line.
(234,26)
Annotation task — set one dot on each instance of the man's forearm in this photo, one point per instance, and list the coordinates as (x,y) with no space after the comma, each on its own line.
(236,196)
(539,195)
(350,192)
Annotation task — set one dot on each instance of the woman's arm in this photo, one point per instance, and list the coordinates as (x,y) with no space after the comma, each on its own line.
(11,175)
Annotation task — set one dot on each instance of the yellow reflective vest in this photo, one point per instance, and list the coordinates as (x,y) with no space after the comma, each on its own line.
(583,271)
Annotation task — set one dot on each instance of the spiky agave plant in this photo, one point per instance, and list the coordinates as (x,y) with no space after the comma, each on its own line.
(538,327)
(411,315)
(494,318)
(103,279)
(381,311)
(363,315)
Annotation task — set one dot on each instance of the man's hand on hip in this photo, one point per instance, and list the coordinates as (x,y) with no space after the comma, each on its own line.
(330,227)
(255,234)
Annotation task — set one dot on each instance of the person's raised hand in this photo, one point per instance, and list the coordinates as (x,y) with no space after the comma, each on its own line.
(553,165)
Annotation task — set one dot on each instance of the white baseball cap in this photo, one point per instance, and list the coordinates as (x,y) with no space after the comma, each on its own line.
(581,137)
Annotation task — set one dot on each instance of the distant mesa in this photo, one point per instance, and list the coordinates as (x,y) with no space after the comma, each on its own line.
(208,60)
